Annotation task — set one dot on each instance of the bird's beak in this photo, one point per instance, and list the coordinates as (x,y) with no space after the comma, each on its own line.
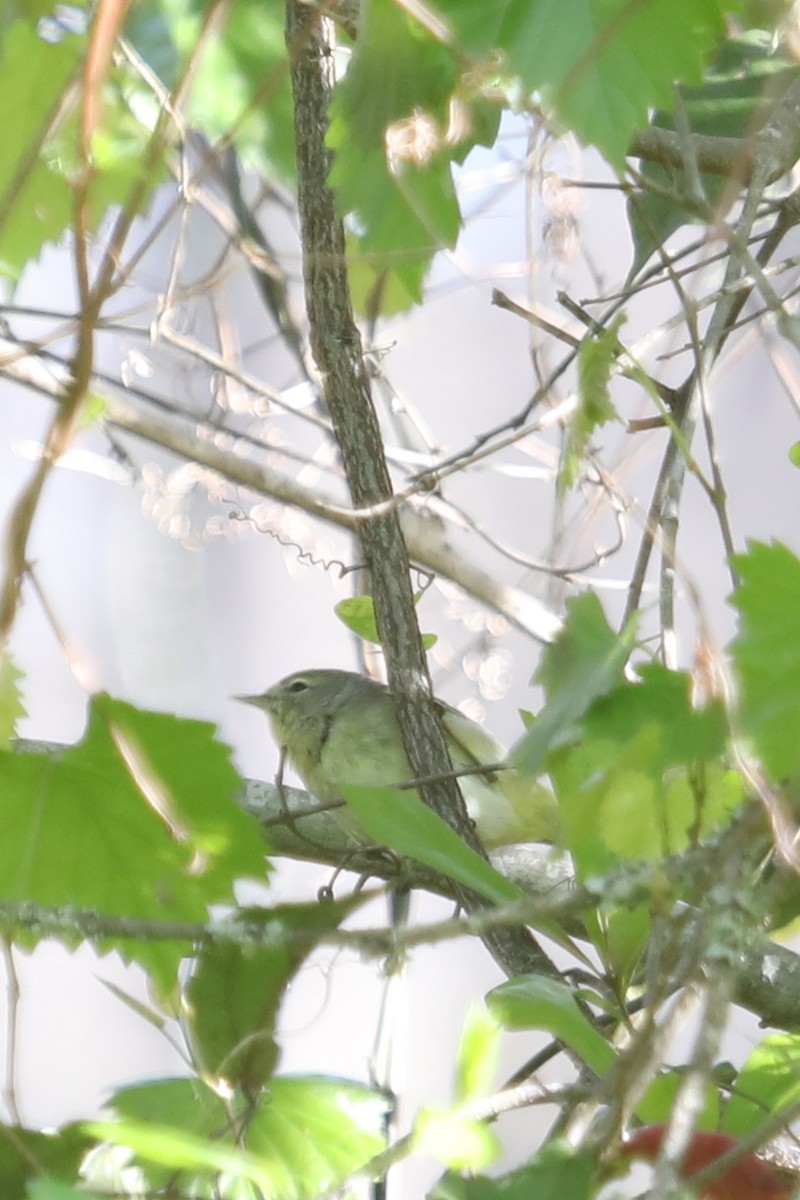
(256,701)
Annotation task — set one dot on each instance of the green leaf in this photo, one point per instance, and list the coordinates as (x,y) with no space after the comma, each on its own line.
(658,1102)
(358,614)
(768,1082)
(188,1104)
(35,200)
(240,86)
(50,1189)
(596,357)
(456,1140)
(732,101)
(308,1137)
(389,122)
(406,214)
(558,1171)
(381,88)
(601,64)
(766,654)
(26,1154)
(476,1061)
(645,777)
(620,936)
(11,706)
(235,991)
(476,28)
(92,412)
(585,661)
(400,820)
(201,1158)
(377,291)
(137,820)
(615,804)
(661,697)
(120,150)
(316,1131)
(39,158)
(538,1002)
(612,61)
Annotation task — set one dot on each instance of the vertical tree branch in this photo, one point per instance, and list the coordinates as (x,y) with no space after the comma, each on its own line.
(336,344)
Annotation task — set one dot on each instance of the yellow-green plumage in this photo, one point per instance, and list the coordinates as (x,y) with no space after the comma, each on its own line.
(340,728)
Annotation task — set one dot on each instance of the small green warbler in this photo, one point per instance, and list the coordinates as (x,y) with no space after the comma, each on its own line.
(340,728)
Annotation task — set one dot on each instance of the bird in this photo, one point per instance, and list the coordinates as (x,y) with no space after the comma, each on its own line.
(338,727)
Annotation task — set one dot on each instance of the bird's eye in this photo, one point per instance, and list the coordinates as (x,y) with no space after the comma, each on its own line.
(298,685)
